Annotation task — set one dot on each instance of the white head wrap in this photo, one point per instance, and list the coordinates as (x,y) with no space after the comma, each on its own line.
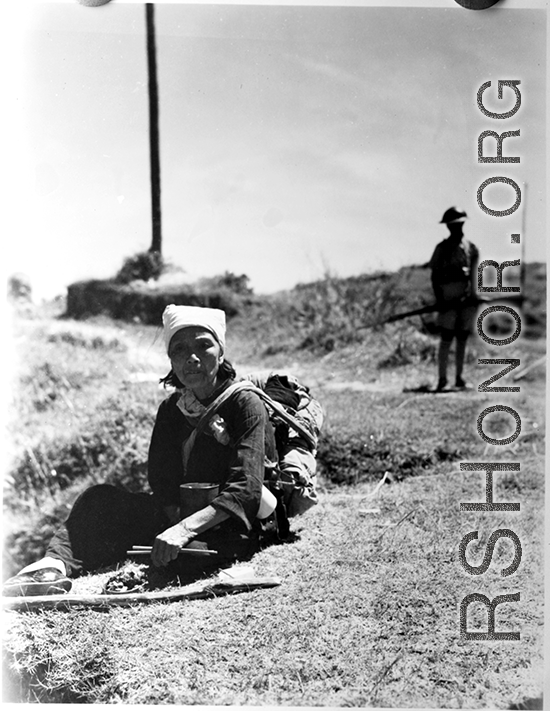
(175,318)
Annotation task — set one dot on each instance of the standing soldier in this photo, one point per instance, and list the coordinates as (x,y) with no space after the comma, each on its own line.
(454,266)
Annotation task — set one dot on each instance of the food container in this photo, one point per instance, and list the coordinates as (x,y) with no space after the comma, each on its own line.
(195,495)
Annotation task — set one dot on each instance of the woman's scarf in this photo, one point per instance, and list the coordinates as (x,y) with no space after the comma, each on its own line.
(192,408)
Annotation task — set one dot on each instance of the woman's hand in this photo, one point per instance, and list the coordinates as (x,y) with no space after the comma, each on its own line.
(168,544)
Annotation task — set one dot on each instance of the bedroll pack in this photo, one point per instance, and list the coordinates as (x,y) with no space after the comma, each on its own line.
(297,419)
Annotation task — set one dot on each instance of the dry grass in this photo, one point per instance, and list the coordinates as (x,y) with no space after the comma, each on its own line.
(367,614)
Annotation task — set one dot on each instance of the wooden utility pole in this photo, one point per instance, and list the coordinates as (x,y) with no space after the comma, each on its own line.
(156,243)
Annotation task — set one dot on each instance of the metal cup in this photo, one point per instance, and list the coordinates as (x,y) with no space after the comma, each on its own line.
(195,496)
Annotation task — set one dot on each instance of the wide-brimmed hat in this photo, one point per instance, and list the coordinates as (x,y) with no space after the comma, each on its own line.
(453,215)
(175,318)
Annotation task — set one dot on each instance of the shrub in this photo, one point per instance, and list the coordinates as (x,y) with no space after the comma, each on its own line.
(333,312)
(19,288)
(227,281)
(111,449)
(143,266)
(354,458)
(411,347)
(140,303)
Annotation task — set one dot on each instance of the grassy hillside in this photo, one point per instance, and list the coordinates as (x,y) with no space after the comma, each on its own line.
(367,613)
(318,316)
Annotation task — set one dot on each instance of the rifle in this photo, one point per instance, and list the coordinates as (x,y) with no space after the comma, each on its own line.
(441,306)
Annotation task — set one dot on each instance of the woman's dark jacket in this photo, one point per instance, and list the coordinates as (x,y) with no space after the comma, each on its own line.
(237,467)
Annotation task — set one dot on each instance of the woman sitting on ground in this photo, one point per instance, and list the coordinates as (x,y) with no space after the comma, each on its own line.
(230,451)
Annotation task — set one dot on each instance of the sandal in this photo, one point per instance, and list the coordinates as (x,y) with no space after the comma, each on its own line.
(45,581)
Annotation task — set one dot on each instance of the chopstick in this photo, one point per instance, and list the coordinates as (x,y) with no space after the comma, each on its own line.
(146,550)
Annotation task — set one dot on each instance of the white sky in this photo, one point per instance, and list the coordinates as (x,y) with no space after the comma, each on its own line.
(293,139)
